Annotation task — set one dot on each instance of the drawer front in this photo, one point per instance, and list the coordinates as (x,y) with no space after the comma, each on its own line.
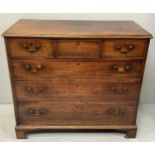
(37,69)
(75,113)
(31,48)
(97,89)
(123,49)
(78,49)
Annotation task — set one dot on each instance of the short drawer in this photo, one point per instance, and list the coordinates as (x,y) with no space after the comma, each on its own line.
(76,113)
(78,49)
(123,49)
(79,89)
(29,48)
(38,69)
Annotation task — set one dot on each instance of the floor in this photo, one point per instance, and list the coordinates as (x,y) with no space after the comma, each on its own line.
(145,123)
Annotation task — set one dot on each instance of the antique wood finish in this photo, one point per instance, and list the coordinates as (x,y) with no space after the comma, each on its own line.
(78,49)
(29,48)
(76,75)
(86,89)
(124,48)
(23,130)
(38,69)
(77,29)
(79,113)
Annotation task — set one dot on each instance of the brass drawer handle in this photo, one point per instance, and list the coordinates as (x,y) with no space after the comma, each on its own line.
(31,47)
(125,48)
(27,67)
(33,112)
(120,90)
(112,111)
(35,91)
(31,69)
(121,69)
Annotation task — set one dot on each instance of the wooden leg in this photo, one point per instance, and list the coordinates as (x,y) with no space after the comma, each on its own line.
(20,134)
(131,133)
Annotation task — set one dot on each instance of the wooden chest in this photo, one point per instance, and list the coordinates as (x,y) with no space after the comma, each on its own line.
(83,75)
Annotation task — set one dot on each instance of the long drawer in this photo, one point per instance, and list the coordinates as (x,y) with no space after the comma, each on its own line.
(45,68)
(77,89)
(76,113)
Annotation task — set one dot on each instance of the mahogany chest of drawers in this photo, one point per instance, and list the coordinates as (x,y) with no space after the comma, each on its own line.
(83,75)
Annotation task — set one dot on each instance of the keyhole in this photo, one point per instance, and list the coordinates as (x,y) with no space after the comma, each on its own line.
(77,85)
(78,43)
(78,64)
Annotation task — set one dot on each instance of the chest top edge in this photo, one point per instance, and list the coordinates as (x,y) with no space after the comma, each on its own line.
(76,29)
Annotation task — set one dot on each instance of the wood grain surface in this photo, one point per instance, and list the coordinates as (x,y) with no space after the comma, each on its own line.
(76,74)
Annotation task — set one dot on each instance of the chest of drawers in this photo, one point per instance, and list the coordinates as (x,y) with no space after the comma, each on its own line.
(82,75)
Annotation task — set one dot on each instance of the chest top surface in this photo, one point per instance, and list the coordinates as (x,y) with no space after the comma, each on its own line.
(76,29)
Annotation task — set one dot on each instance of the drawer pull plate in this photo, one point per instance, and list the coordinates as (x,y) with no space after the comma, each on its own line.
(31,69)
(120,90)
(34,91)
(119,112)
(121,69)
(125,48)
(33,112)
(31,47)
